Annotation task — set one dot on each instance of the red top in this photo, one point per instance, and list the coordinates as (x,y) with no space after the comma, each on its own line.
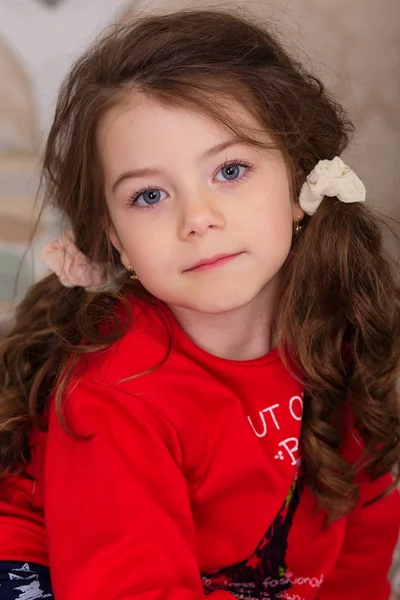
(190,483)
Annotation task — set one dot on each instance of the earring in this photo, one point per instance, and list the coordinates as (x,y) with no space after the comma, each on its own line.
(297,227)
(133,274)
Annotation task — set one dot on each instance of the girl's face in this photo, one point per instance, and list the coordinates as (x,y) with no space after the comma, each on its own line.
(204,220)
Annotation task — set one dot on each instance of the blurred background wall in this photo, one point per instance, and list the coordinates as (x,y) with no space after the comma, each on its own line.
(354,46)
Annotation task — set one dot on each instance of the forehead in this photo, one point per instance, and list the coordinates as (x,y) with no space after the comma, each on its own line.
(141,122)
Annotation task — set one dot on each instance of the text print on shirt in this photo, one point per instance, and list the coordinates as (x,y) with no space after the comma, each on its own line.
(288,447)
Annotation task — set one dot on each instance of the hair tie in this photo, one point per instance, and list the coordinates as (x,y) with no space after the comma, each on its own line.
(71,266)
(334,179)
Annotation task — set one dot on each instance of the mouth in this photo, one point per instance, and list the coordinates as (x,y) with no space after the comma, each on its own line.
(212,263)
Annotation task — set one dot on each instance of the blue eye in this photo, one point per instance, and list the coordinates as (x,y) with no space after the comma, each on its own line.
(234,170)
(148,197)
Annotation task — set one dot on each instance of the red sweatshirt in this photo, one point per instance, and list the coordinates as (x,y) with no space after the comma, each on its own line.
(188,483)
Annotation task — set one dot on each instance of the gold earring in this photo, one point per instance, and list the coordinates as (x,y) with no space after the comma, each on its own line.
(297,227)
(133,274)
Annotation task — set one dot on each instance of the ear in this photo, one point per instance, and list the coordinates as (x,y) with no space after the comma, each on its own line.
(116,242)
(297,212)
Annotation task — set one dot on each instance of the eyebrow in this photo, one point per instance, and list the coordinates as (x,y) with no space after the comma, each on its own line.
(135,173)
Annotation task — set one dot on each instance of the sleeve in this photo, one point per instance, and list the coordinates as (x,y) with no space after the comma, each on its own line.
(361,572)
(117,505)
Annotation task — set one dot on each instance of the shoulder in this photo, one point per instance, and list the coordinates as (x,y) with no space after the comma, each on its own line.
(144,345)
(138,373)
(123,389)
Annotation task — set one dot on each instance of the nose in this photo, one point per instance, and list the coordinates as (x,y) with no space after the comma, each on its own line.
(199,214)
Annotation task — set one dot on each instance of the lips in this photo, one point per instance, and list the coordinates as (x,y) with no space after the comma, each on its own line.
(213,262)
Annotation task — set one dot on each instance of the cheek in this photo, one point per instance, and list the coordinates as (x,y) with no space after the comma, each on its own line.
(274,245)
(151,260)
(140,245)
(271,227)
(145,255)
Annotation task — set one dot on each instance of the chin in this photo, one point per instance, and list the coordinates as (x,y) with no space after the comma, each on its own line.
(214,303)
(214,299)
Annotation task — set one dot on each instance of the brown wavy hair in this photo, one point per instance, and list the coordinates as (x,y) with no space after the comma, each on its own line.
(338,302)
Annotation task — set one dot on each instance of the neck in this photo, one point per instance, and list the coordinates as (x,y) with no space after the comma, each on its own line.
(243,333)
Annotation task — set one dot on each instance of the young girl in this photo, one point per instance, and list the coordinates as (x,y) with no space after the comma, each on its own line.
(201,398)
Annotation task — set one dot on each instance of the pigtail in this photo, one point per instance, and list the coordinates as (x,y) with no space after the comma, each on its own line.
(340,319)
(30,359)
(51,324)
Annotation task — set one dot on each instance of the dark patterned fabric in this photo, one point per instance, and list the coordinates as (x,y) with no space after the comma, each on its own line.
(251,578)
(24,581)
